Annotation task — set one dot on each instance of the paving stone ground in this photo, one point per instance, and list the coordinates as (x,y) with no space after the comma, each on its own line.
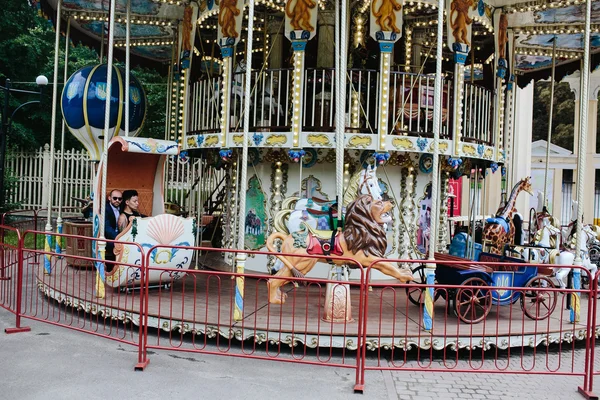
(52,362)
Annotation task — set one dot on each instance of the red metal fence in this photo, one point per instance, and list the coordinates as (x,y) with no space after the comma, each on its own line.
(512,328)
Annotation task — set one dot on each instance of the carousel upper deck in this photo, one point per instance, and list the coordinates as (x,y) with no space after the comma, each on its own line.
(409,121)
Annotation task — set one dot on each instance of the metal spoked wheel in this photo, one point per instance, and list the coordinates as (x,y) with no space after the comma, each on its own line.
(416,295)
(473,303)
(539,303)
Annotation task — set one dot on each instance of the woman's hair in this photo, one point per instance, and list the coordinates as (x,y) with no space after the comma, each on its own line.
(127,195)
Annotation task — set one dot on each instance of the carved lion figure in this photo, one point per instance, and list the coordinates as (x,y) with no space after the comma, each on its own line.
(385,17)
(300,14)
(227,12)
(459,19)
(362,239)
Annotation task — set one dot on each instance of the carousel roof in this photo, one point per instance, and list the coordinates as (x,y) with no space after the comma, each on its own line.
(536,25)
(153,23)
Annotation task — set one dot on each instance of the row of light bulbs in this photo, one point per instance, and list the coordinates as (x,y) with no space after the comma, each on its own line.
(558,54)
(136,20)
(555,30)
(138,43)
(537,6)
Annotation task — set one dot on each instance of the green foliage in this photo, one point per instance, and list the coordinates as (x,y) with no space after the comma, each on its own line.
(10,185)
(27,50)
(563,119)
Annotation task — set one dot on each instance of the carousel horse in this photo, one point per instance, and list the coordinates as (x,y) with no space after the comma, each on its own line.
(363,238)
(500,230)
(316,212)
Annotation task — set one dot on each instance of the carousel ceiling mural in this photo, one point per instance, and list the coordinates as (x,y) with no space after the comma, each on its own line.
(535,25)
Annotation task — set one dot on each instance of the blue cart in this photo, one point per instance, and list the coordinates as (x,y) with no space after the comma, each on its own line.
(473,302)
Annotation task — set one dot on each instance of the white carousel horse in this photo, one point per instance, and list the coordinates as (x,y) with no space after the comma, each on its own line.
(305,210)
(548,252)
(548,235)
(567,257)
(363,182)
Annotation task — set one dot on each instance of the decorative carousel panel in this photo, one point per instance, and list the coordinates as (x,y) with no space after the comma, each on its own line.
(277,140)
(256,215)
(443,147)
(319,140)
(164,229)
(360,141)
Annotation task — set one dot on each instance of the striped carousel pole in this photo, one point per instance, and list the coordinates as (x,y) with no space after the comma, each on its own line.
(437,112)
(48,241)
(240,260)
(61,165)
(583,127)
(100,267)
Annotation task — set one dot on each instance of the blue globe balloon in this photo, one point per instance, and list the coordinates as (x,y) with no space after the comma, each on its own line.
(84,103)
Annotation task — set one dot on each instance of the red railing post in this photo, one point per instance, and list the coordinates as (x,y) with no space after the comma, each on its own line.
(143,335)
(590,342)
(18,328)
(359,384)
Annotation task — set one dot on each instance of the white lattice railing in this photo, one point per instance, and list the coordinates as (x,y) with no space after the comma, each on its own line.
(182,180)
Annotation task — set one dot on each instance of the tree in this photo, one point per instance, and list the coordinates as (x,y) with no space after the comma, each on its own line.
(563,119)
(27,50)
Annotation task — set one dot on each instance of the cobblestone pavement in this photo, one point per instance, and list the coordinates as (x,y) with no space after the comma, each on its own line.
(55,363)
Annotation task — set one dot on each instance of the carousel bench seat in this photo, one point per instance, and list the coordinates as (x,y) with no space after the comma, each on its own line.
(465,266)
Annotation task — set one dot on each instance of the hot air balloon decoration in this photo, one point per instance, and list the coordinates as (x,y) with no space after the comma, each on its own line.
(84,101)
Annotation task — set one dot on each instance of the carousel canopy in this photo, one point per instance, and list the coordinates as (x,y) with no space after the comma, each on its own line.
(535,24)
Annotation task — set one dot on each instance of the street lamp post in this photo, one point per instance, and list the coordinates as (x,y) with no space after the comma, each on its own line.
(7,122)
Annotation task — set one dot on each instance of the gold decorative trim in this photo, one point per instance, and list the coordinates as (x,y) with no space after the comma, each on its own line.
(319,139)
(442,147)
(211,141)
(360,141)
(277,139)
(469,150)
(488,153)
(238,139)
(403,143)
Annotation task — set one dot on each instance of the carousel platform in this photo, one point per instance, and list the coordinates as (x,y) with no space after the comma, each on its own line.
(203,302)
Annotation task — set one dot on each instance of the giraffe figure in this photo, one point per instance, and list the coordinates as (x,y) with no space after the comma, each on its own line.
(500,230)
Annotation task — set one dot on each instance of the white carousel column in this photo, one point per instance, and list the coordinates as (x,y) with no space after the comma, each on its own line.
(581,161)
(61,166)
(337,295)
(437,114)
(55,100)
(240,261)
(99,287)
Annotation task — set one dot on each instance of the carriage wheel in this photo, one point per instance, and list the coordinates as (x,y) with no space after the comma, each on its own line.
(417,295)
(538,304)
(473,304)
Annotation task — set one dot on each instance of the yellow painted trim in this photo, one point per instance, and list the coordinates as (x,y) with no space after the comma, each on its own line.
(121,106)
(85,114)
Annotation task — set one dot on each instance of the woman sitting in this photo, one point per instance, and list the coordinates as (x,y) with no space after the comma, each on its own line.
(129,209)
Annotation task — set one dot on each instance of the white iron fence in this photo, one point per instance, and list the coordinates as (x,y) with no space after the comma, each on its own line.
(31,172)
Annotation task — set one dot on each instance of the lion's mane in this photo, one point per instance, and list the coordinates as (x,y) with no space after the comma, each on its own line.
(361,231)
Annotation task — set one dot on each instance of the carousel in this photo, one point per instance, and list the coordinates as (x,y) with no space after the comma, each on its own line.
(313,112)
